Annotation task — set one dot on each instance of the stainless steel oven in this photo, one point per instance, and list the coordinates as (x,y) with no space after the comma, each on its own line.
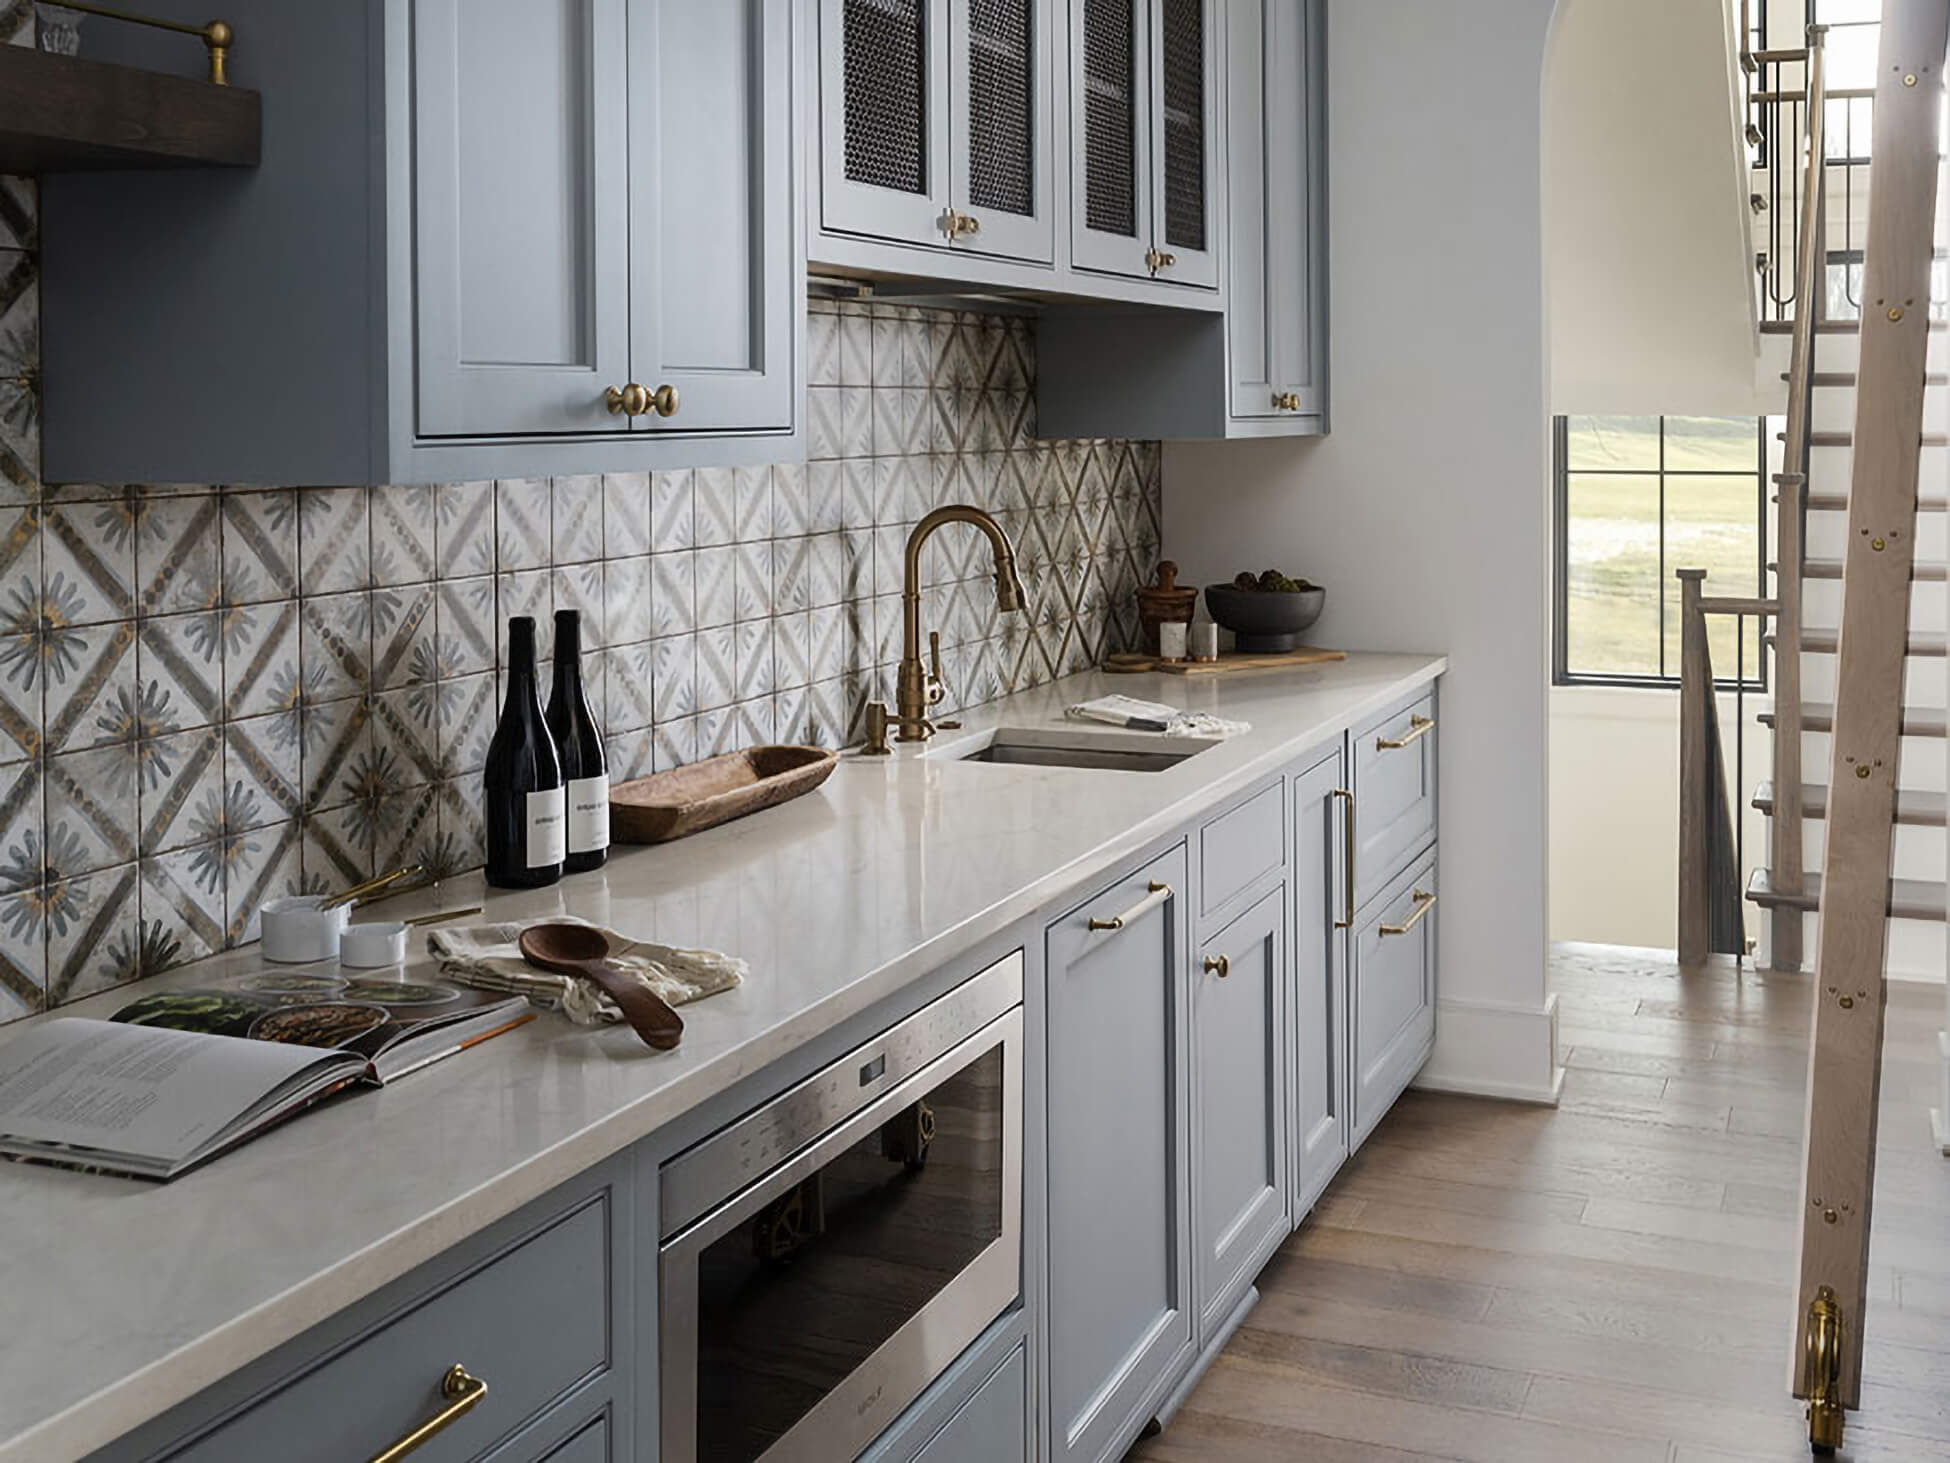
(826,1257)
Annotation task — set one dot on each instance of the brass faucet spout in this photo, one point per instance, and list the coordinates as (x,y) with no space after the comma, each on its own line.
(919,686)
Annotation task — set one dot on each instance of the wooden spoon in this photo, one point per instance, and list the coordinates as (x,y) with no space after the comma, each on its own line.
(566,949)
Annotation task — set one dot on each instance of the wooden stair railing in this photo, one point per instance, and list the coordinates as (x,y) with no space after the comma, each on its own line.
(1844,1068)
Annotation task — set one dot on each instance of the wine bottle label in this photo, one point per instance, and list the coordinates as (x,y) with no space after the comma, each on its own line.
(547,826)
(588,814)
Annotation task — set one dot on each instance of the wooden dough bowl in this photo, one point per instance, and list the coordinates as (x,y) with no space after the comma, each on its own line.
(690,799)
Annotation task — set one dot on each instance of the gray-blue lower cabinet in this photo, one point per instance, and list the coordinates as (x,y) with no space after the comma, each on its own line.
(1394,993)
(1239,1106)
(988,1428)
(1119,1320)
(1323,912)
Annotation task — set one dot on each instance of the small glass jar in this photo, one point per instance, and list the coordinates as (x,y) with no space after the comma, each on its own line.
(1171,640)
(1205,641)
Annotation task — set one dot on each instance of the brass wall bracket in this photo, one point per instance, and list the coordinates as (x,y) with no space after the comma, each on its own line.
(217,36)
(1821,1371)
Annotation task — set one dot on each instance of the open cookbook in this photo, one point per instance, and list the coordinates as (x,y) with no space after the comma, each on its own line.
(179,1076)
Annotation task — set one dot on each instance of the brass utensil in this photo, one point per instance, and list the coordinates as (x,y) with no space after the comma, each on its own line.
(567,949)
(372,886)
(443,916)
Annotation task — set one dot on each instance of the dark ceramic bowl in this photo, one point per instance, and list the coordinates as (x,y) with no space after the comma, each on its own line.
(1264,621)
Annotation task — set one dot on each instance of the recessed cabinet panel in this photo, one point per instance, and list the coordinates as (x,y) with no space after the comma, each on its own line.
(1394,993)
(884,117)
(1239,1183)
(1319,979)
(520,248)
(1002,152)
(1394,784)
(712,211)
(1120,1292)
(1111,134)
(1185,47)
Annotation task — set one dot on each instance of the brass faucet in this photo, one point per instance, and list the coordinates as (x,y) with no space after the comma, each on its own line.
(919,686)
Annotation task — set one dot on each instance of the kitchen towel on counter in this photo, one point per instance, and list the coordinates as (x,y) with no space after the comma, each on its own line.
(487,957)
(1155,716)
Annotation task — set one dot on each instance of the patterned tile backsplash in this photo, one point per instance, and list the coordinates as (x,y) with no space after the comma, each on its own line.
(211,696)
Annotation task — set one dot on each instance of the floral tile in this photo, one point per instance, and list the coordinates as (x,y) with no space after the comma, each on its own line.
(576,519)
(20,442)
(791,589)
(20,313)
(338,848)
(754,723)
(752,505)
(404,641)
(464,626)
(628,682)
(464,540)
(826,640)
(717,667)
(93,944)
(332,741)
(460,835)
(467,711)
(20,209)
(753,585)
(23,954)
(674,676)
(580,587)
(822,345)
(856,345)
(673,593)
(404,521)
(88,566)
(176,553)
(791,651)
(717,586)
(406,736)
(789,717)
(673,516)
(673,743)
(626,514)
(262,771)
(182,901)
(717,733)
(407,830)
(791,503)
(632,754)
(23,859)
(179,667)
(714,506)
(522,510)
(530,593)
(263,863)
(756,670)
(334,540)
(335,645)
(261,666)
(825,496)
(93,812)
(629,613)
(179,789)
(260,547)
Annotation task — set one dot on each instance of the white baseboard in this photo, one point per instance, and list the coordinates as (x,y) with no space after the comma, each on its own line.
(1493,1050)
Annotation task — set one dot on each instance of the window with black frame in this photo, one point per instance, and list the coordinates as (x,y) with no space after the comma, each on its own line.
(1636,499)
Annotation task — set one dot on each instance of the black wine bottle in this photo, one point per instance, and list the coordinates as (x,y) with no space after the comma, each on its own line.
(585,773)
(527,816)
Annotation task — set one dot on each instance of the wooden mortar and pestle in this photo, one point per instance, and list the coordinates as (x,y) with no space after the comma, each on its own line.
(1164,601)
(566,949)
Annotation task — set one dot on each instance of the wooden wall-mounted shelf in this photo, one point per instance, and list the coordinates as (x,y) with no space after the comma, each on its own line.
(64,114)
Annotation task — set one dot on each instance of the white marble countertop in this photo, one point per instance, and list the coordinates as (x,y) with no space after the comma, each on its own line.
(119,1299)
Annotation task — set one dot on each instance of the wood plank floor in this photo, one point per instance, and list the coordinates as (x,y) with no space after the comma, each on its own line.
(1607,1281)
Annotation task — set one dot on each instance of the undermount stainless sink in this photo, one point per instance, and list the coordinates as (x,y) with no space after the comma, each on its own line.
(1108,751)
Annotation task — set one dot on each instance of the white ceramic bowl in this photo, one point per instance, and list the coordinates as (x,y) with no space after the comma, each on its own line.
(295,931)
(364,947)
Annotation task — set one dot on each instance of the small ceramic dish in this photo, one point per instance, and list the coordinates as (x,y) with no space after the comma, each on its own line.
(365,947)
(296,931)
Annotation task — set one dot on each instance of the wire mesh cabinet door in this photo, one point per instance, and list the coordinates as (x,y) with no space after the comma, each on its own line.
(1111,136)
(1002,156)
(885,103)
(1185,133)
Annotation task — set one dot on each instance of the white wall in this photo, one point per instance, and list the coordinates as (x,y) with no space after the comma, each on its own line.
(1426,512)
(1648,238)
(1614,812)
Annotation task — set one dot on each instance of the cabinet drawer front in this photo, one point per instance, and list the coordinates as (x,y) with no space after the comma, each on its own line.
(1240,847)
(988,1428)
(531,1323)
(1394,791)
(1394,992)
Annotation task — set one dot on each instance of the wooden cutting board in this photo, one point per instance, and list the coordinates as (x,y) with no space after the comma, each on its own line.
(1227,664)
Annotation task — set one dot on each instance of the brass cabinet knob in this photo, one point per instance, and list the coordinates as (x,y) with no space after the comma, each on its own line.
(664,401)
(955,224)
(1219,965)
(1286,401)
(631,400)
(970,224)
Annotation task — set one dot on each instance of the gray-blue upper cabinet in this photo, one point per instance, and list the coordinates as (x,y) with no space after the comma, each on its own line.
(934,125)
(1119,1249)
(1144,91)
(1276,181)
(488,238)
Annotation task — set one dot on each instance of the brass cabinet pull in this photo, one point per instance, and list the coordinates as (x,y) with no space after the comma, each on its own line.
(1424,902)
(463,1394)
(637,401)
(1158,895)
(1418,727)
(1219,965)
(955,224)
(1346,921)
(1286,401)
(631,400)
(1156,260)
